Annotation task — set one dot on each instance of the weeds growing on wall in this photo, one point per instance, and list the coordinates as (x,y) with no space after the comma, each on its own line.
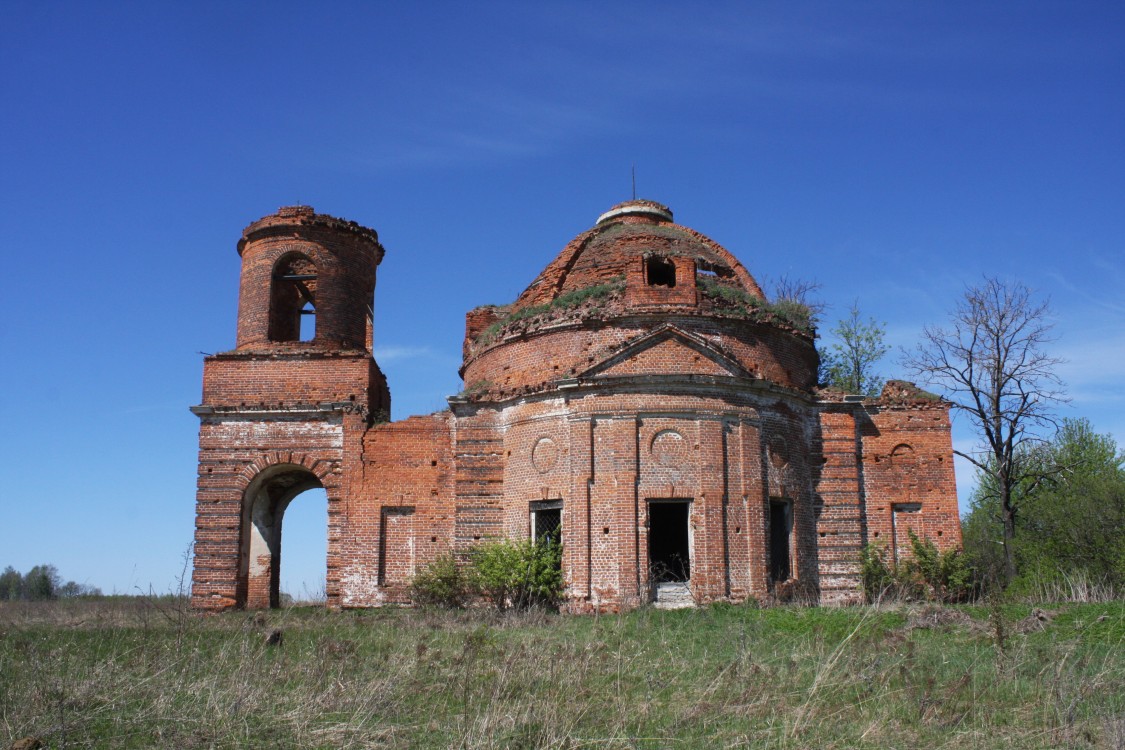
(565,301)
(737,301)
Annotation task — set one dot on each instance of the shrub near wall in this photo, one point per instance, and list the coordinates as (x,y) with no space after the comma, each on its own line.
(520,574)
(516,574)
(929,574)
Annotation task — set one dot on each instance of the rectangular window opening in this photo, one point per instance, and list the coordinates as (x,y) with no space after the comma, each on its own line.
(546,521)
(660,272)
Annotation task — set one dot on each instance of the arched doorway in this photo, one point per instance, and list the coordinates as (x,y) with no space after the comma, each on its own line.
(263,509)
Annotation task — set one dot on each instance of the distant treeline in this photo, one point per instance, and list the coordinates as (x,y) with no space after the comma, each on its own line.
(41,583)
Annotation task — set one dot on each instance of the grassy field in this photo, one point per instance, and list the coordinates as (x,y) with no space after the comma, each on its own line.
(136,674)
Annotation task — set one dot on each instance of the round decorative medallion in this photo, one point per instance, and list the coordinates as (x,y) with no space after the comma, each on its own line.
(544,455)
(779,451)
(669,448)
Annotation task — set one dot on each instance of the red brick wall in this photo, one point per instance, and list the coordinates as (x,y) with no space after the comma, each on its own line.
(281,380)
(401,465)
(908,459)
(605,455)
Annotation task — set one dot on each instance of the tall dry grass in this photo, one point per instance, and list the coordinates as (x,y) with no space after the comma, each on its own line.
(149,674)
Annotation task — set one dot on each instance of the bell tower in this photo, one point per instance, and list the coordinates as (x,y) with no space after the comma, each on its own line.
(285,410)
(308,281)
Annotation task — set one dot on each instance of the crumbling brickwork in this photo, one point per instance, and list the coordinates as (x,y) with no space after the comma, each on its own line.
(642,388)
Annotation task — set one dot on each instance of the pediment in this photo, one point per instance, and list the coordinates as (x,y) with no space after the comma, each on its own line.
(666,351)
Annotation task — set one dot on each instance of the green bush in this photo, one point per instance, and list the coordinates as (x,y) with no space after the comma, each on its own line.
(519,574)
(929,574)
(880,580)
(442,583)
(946,575)
(507,573)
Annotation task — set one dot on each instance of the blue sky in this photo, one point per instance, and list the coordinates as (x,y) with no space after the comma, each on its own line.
(893,152)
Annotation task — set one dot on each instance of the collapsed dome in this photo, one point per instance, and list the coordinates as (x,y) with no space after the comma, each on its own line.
(634,271)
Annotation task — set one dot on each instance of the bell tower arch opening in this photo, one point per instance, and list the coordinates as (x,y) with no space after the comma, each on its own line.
(263,511)
(293,299)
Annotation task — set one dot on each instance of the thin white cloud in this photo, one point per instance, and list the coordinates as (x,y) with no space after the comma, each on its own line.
(384,354)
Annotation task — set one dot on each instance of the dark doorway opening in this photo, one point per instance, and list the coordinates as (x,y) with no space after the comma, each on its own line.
(780,526)
(669,547)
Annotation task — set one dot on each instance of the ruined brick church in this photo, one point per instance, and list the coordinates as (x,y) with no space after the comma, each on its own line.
(641,400)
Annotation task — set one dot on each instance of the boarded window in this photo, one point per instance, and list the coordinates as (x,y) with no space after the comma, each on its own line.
(396,546)
(905,517)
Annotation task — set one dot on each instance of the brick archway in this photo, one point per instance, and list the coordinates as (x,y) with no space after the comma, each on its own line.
(270,487)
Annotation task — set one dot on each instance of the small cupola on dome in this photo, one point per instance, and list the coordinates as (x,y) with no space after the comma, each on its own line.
(638,209)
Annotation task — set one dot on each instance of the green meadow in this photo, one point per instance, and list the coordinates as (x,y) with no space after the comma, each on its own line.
(137,673)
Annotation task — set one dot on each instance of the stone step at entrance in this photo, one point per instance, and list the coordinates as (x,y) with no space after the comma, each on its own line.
(673,595)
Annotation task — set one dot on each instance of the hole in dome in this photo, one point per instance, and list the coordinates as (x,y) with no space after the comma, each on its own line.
(712,270)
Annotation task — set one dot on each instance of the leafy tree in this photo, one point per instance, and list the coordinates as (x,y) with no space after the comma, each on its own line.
(73,590)
(11,584)
(992,365)
(982,537)
(1072,521)
(1075,521)
(849,364)
(41,583)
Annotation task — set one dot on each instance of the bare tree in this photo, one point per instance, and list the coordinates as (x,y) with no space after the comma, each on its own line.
(802,291)
(798,297)
(992,366)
